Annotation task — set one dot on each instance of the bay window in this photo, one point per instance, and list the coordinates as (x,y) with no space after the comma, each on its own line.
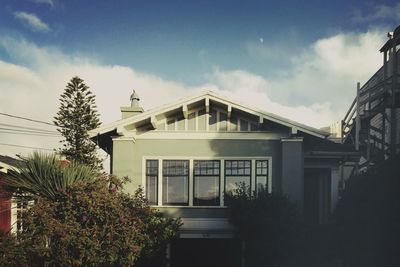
(203,182)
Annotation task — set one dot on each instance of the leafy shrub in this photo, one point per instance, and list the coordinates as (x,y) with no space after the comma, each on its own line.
(268,223)
(91,224)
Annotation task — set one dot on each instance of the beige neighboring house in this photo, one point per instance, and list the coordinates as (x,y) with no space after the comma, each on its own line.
(189,154)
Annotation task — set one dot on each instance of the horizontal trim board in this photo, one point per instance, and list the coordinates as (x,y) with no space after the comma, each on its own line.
(214,135)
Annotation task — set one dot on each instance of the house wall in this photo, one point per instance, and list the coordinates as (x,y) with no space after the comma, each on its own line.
(293,170)
(128,154)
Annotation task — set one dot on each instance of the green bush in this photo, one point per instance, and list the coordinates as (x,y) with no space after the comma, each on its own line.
(90,224)
(269,224)
(367,218)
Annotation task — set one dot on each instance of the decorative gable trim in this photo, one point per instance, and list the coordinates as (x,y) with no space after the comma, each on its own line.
(207,97)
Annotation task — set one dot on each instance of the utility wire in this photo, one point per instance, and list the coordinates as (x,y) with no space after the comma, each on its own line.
(28,119)
(28,128)
(28,133)
(30,147)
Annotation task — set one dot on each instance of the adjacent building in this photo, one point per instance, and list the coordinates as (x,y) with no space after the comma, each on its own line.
(372,123)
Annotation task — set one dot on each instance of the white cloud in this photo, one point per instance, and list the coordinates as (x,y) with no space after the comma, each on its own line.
(33,21)
(47,2)
(329,69)
(379,12)
(324,77)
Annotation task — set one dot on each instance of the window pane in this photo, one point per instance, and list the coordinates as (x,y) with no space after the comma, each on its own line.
(175,190)
(206,182)
(261,175)
(175,182)
(206,191)
(262,183)
(232,183)
(152,181)
(261,167)
(151,189)
(237,167)
(237,172)
(175,167)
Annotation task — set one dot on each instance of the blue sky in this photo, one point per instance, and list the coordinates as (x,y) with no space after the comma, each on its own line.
(182,40)
(300,59)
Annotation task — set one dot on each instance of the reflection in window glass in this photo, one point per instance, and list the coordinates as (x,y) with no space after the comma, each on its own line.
(261,175)
(152,181)
(175,182)
(237,172)
(206,182)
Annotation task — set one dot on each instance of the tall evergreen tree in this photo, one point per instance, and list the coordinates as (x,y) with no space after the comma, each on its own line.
(78,115)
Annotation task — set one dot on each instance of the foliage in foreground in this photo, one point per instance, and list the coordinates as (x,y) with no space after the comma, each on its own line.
(269,224)
(89,224)
(44,176)
(77,115)
(367,218)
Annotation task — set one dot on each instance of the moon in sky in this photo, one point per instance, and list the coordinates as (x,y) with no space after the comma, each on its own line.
(261,40)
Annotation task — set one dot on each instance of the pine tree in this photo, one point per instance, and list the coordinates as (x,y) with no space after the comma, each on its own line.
(78,115)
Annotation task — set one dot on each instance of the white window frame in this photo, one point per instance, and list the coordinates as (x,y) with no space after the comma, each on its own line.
(191,162)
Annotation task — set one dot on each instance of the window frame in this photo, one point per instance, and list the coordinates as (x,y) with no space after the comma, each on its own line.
(222,180)
(157,178)
(250,175)
(218,201)
(188,183)
(256,175)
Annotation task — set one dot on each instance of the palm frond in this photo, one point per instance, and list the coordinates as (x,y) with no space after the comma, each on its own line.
(42,175)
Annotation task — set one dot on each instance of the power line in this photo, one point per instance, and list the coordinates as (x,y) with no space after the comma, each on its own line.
(30,147)
(28,128)
(28,119)
(28,133)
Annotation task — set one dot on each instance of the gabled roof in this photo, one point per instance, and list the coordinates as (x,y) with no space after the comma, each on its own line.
(207,96)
